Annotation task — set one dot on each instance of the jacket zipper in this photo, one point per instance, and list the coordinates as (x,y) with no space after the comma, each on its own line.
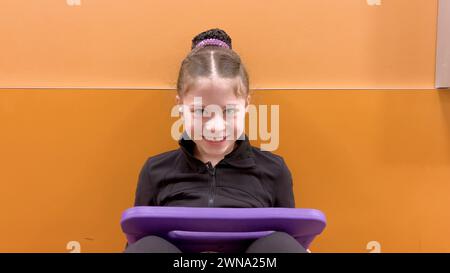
(212,172)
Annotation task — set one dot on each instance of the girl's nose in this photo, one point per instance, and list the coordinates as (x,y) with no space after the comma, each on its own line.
(216,124)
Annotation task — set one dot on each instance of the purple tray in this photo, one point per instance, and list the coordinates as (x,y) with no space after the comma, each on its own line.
(229,230)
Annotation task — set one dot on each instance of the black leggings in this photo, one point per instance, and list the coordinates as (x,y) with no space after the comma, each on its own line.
(277,242)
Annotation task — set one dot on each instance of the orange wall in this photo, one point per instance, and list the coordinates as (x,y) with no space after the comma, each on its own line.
(376,162)
(285,43)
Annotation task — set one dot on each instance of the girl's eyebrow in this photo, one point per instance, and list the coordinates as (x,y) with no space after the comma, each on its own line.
(231,105)
(195,105)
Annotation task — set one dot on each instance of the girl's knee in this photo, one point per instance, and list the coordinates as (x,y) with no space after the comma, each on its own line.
(282,235)
(278,241)
(152,244)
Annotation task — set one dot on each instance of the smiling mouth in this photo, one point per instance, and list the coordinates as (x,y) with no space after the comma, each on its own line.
(215,140)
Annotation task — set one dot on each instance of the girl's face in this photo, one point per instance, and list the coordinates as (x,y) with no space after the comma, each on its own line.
(214,117)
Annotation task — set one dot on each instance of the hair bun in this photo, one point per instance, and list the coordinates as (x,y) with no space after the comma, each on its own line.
(214,33)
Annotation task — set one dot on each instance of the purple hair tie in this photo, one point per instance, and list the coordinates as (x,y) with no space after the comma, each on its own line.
(212,41)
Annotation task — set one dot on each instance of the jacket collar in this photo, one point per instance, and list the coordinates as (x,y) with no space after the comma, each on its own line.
(240,157)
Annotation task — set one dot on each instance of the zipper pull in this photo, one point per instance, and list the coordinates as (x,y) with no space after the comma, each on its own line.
(211,169)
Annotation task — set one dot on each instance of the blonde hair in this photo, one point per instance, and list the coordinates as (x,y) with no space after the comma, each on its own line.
(210,61)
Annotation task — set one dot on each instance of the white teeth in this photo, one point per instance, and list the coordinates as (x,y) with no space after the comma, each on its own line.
(215,139)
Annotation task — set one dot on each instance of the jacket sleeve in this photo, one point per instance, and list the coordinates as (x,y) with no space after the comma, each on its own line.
(284,195)
(145,194)
(145,190)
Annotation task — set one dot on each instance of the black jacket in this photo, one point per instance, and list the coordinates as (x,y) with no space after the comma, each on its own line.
(247,177)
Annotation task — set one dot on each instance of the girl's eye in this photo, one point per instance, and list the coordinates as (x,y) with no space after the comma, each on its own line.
(230,111)
(198,112)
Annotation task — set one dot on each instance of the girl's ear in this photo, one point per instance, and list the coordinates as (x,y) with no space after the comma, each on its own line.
(180,104)
(247,103)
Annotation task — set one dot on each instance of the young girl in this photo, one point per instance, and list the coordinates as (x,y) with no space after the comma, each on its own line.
(215,165)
